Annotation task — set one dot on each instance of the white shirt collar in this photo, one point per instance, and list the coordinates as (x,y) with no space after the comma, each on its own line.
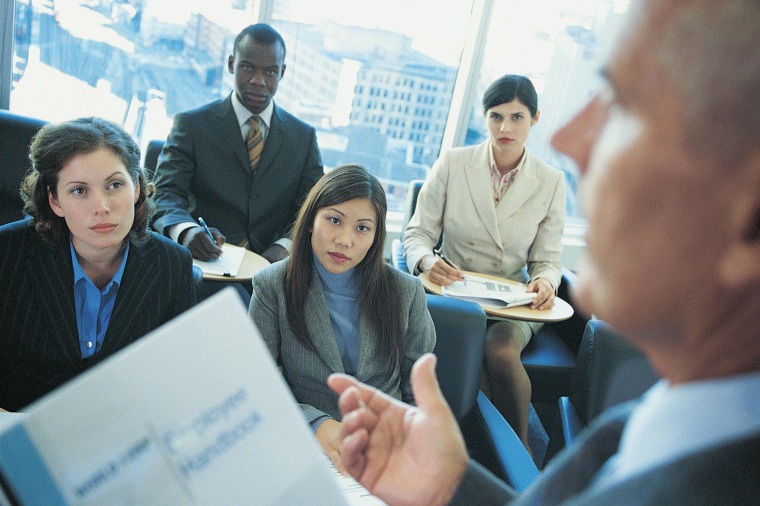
(673,421)
(243,114)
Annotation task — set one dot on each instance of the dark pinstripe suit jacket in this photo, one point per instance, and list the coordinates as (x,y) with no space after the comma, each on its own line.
(203,171)
(39,341)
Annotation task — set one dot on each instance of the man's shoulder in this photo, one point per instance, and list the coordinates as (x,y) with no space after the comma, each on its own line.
(289,121)
(205,109)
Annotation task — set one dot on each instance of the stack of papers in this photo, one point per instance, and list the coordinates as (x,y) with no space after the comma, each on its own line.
(488,292)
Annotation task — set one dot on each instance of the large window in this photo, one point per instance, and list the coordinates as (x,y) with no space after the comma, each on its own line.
(386,84)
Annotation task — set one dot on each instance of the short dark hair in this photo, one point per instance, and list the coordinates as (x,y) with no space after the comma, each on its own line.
(508,87)
(54,146)
(262,34)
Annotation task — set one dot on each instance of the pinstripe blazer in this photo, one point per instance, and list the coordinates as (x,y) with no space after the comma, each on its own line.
(203,170)
(39,341)
(520,238)
(306,371)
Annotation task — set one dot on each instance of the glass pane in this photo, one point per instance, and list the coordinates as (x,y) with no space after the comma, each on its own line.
(375,83)
(556,43)
(374,80)
(136,62)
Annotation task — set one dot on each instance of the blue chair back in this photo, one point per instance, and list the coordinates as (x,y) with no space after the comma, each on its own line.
(460,328)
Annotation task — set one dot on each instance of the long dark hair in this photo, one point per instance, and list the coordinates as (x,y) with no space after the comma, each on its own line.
(378,298)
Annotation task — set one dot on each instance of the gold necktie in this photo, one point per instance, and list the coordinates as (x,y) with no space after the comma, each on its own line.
(254,142)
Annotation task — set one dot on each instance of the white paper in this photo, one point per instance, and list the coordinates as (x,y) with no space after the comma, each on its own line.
(488,292)
(352,490)
(194,413)
(226,265)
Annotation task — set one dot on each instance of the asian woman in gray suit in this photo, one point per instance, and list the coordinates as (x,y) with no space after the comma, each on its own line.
(82,277)
(335,305)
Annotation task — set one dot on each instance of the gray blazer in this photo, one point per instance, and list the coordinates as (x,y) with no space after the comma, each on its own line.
(523,230)
(203,171)
(728,473)
(306,371)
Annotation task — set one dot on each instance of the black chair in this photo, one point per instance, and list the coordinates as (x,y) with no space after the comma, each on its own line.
(16,132)
(610,370)
(150,157)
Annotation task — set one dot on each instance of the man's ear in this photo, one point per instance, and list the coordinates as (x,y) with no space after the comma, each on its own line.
(741,262)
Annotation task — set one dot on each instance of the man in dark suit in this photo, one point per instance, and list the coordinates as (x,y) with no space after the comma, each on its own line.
(671,164)
(206,171)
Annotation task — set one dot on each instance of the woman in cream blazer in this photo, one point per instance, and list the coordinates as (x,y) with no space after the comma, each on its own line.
(503,213)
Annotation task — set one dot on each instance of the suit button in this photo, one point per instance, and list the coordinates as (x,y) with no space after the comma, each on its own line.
(494,264)
(469,260)
(471,243)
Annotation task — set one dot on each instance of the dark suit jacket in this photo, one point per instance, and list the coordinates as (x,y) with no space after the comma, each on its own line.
(203,170)
(39,341)
(306,370)
(726,474)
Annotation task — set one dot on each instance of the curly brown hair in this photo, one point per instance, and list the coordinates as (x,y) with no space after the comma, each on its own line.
(54,146)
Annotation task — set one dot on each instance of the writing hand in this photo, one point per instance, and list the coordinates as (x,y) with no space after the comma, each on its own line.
(400,453)
(440,271)
(328,435)
(200,245)
(545,293)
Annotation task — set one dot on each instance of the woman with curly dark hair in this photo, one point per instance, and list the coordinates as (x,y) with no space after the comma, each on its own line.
(82,276)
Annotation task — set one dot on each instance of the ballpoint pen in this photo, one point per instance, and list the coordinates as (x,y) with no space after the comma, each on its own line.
(205,227)
(448,262)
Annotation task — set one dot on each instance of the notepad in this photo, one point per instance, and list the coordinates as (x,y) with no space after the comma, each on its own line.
(226,265)
(488,292)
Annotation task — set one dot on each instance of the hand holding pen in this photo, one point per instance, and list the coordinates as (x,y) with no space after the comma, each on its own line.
(203,242)
(441,270)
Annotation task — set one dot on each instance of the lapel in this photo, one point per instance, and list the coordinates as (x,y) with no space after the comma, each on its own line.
(52,277)
(319,325)
(477,172)
(226,124)
(521,189)
(141,274)
(275,139)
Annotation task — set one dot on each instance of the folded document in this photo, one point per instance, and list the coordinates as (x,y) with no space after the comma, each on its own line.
(488,292)
(194,413)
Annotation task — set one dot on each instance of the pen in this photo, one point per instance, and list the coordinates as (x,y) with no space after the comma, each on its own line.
(448,262)
(205,227)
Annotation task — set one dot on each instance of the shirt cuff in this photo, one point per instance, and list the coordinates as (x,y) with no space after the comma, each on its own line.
(317,422)
(176,230)
(284,242)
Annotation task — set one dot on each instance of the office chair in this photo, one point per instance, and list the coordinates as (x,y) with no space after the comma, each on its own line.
(150,157)
(397,249)
(610,371)
(460,328)
(16,131)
